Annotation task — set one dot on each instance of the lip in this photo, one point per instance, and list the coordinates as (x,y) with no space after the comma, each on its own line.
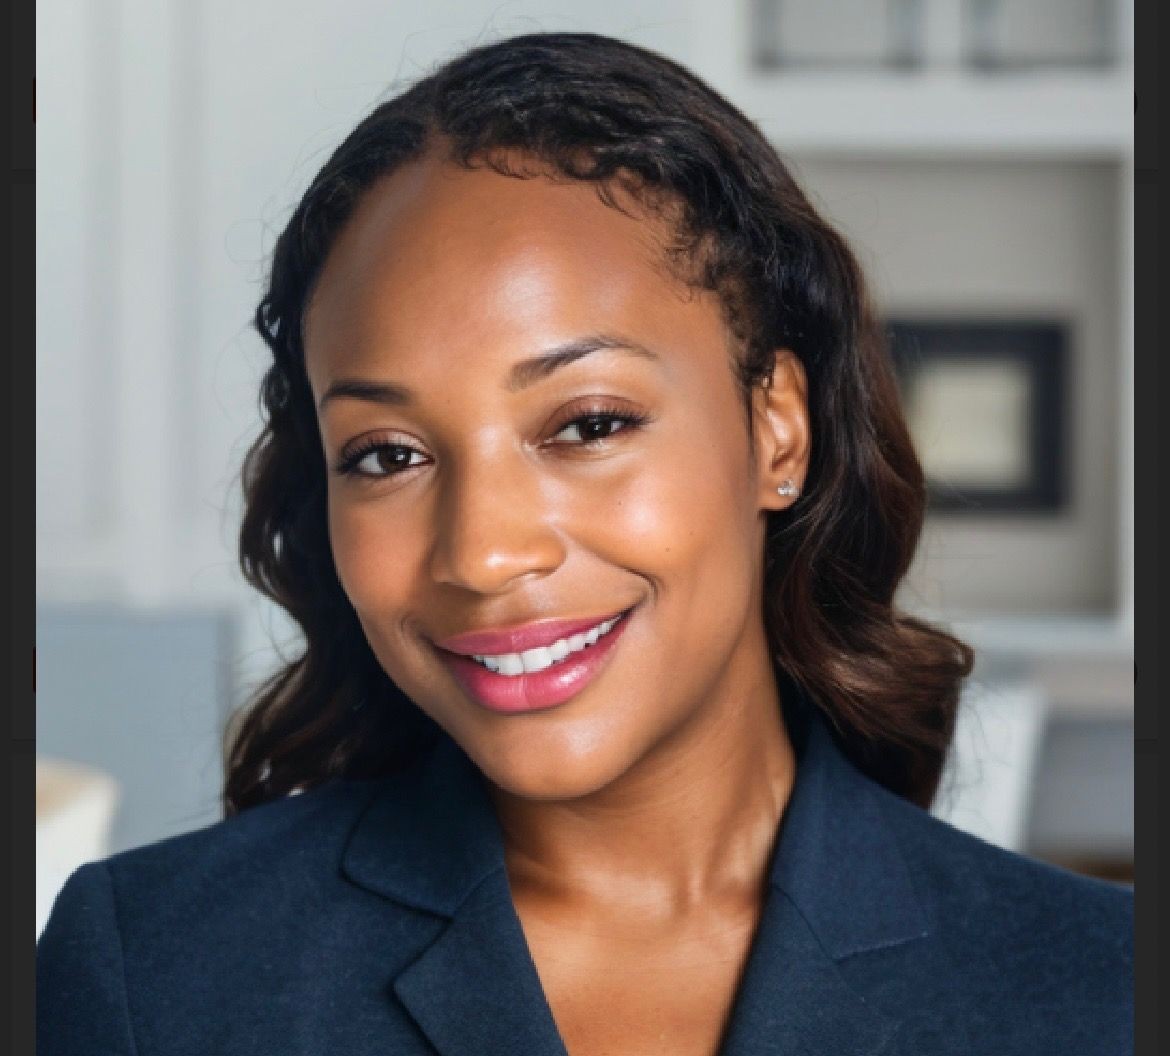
(515,694)
(518,639)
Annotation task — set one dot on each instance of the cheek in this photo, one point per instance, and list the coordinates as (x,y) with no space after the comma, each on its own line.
(685,506)
(689,523)
(376,566)
(372,557)
(679,512)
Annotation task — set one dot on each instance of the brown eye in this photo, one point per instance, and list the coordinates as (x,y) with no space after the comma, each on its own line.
(377,460)
(596,427)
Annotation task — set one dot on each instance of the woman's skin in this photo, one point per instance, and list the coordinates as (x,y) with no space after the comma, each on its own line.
(638,817)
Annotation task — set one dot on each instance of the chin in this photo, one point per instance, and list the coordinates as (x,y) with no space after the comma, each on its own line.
(546,772)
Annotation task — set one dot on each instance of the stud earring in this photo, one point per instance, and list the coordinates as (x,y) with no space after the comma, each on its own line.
(786,488)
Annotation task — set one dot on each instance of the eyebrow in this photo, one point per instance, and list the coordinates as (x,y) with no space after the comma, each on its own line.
(522,374)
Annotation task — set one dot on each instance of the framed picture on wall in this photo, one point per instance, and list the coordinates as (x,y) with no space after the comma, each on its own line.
(986,406)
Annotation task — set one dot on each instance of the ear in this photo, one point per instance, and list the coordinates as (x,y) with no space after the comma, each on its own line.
(781,431)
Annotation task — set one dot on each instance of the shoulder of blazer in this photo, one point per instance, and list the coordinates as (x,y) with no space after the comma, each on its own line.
(1054,937)
(143,937)
(288,846)
(956,867)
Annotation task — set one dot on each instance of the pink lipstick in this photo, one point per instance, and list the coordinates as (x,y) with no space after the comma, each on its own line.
(531,691)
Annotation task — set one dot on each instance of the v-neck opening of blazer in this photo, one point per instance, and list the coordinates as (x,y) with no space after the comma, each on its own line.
(838,885)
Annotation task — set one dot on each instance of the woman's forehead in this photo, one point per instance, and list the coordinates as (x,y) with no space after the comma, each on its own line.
(469,256)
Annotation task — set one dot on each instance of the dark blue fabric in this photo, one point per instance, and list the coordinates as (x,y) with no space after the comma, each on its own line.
(375,917)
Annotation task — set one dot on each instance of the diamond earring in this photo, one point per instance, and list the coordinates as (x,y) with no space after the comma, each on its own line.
(786,488)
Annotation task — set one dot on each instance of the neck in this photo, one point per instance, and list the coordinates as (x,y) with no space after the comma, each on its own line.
(691,825)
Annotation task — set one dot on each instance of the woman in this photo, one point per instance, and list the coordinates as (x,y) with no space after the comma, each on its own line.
(585,477)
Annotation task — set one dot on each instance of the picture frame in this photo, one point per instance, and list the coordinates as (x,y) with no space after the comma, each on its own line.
(1012,35)
(986,404)
(789,35)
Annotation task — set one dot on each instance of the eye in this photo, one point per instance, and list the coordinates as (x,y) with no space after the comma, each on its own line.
(376,459)
(597,426)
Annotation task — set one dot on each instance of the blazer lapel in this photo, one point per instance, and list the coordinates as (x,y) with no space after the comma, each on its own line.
(475,990)
(793,998)
(839,886)
(432,843)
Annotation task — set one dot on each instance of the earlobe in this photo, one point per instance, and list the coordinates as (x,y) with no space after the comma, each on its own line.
(782,431)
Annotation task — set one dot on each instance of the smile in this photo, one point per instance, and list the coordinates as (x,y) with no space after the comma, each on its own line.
(533,660)
(541,677)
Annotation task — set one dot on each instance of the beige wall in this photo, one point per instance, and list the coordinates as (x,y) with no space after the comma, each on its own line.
(987,237)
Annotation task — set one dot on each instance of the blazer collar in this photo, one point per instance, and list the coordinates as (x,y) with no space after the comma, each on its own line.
(430,837)
(837,859)
(839,886)
(431,841)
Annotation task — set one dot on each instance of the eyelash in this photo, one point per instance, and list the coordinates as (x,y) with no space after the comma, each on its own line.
(348,462)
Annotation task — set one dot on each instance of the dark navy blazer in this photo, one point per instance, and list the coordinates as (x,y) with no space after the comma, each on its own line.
(375,917)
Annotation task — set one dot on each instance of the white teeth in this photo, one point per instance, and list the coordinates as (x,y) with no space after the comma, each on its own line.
(536,659)
(533,660)
(512,664)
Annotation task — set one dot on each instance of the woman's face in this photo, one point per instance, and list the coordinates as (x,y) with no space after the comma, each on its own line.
(468,492)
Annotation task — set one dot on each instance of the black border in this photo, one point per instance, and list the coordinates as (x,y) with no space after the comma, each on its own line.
(1150,529)
(19,569)
(1040,346)
(1149,536)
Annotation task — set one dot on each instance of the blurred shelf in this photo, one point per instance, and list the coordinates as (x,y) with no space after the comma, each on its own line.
(1081,804)
(1011,638)
(1083,664)
(77,566)
(943,111)
(198,564)
(1096,710)
(1117,869)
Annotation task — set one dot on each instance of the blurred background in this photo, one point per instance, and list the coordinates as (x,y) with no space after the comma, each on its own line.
(977,153)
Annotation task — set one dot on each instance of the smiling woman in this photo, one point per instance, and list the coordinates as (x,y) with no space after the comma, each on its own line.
(606,475)
(585,477)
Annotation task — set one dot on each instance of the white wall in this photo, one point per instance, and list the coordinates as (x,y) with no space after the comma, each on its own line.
(173,139)
(996,237)
(174,136)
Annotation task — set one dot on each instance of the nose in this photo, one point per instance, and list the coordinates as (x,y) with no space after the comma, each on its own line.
(496,525)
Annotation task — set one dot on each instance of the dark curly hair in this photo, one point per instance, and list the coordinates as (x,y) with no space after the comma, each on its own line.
(585,107)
